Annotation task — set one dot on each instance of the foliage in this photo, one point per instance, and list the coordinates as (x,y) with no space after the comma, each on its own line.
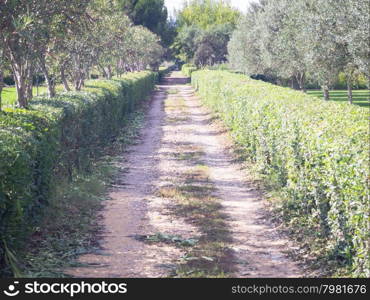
(52,139)
(187,69)
(316,153)
(243,48)
(185,43)
(143,49)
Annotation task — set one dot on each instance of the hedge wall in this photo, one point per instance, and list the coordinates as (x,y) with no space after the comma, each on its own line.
(317,152)
(53,138)
(187,69)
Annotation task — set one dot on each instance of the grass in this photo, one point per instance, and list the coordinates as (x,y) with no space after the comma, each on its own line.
(70,225)
(310,247)
(9,94)
(360,97)
(172,91)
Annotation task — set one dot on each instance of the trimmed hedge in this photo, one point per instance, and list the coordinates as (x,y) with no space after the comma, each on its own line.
(187,69)
(315,151)
(52,139)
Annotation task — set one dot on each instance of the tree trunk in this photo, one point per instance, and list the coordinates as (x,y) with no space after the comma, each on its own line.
(37,84)
(21,64)
(102,71)
(64,79)
(325,89)
(349,89)
(50,85)
(29,93)
(79,82)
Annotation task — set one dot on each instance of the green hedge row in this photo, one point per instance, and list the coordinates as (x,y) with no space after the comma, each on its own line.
(187,69)
(52,139)
(317,152)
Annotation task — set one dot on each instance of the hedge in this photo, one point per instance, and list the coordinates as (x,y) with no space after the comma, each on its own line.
(316,152)
(53,138)
(187,69)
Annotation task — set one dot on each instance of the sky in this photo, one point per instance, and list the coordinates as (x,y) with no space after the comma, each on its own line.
(177,4)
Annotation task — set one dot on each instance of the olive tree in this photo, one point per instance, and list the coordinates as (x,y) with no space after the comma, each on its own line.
(1,75)
(244,53)
(20,25)
(29,28)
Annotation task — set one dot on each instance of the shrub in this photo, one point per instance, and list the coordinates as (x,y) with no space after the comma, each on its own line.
(187,69)
(315,152)
(53,138)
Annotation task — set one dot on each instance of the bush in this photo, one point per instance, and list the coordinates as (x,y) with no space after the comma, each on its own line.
(53,138)
(315,152)
(187,69)
(360,82)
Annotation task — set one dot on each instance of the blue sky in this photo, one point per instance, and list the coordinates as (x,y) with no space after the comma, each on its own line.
(176,4)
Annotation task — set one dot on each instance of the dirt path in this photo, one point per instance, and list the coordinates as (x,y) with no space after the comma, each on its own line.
(144,233)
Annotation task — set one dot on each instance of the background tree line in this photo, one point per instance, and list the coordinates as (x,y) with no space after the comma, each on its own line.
(303,42)
(66,41)
(204,28)
(304,39)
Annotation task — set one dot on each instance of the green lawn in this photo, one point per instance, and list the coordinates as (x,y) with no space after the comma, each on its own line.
(9,95)
(360,97)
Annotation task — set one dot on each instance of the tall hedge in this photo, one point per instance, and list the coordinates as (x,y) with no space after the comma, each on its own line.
(317,152)
(52,139)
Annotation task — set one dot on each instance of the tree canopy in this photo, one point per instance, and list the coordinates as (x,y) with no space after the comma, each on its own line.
(303,39)
(151,14)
